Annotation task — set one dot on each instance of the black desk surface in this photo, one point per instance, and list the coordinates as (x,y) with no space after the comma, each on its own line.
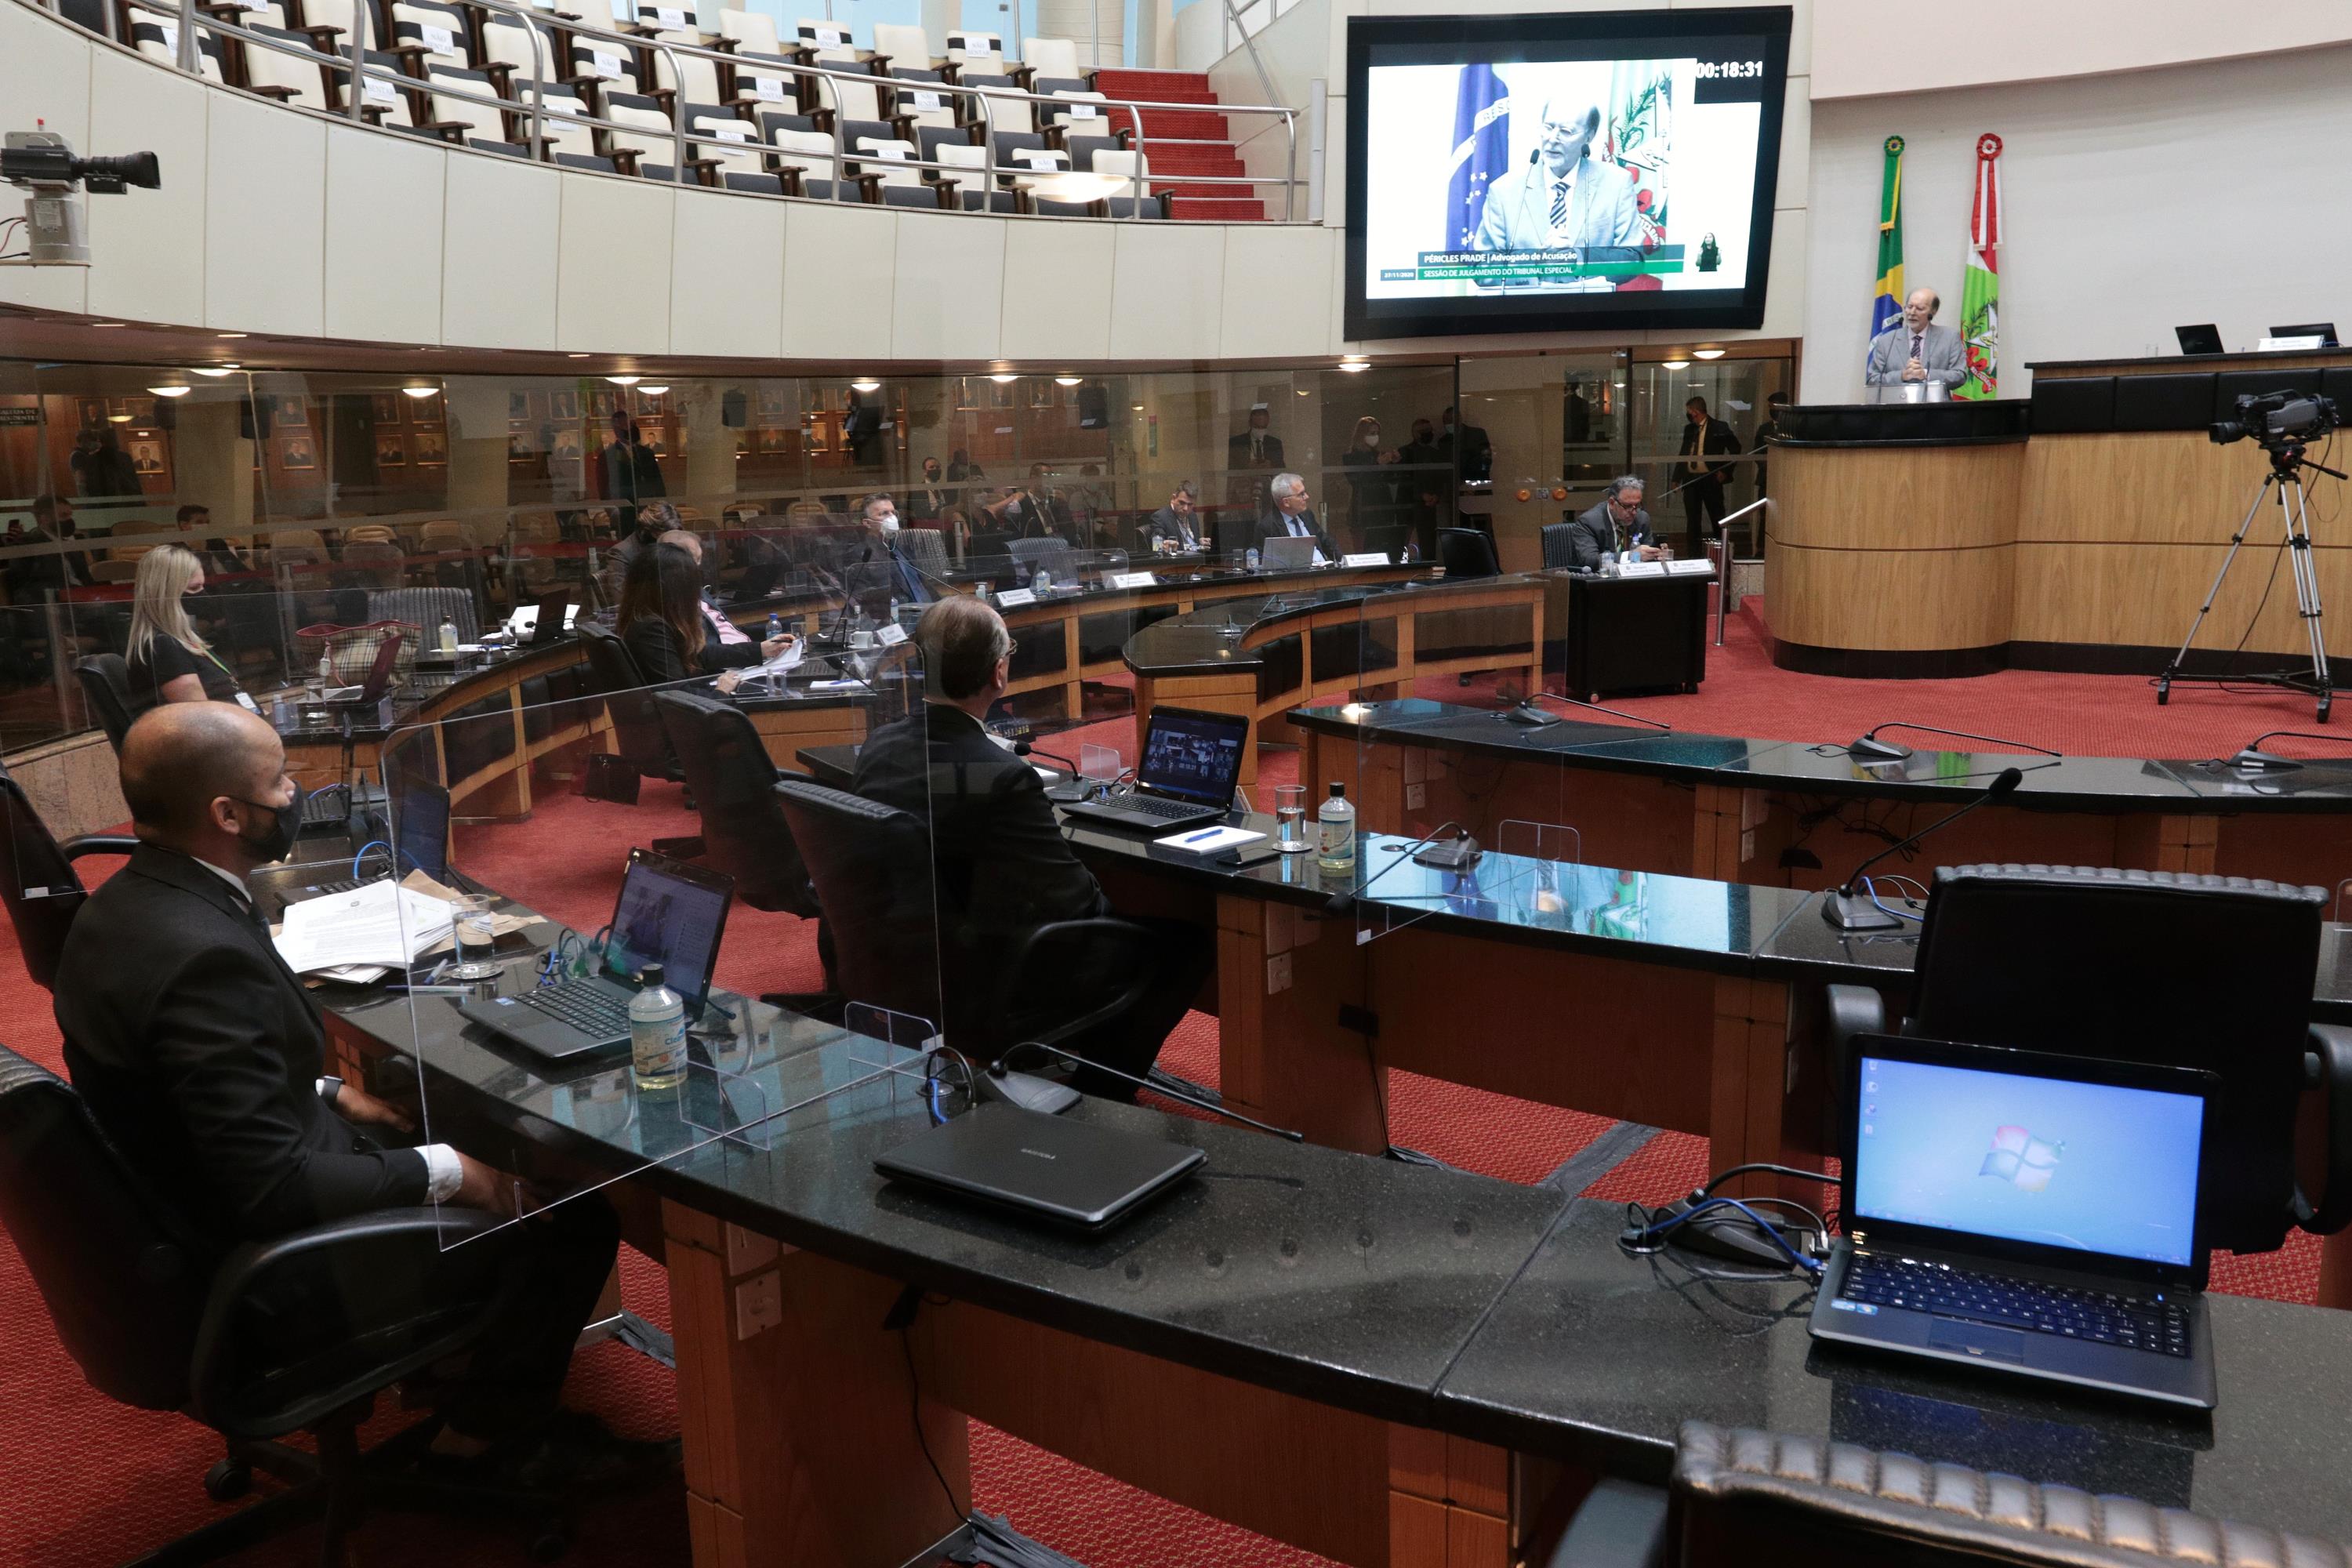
(1493,1311)
(1207,640)
(2052,784)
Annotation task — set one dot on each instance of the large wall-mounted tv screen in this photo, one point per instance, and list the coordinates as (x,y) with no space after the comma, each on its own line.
(1592,170)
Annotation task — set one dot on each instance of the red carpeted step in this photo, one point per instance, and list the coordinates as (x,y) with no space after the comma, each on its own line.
(1194,158)
(1206,209)
(1114,81)
(1176,124)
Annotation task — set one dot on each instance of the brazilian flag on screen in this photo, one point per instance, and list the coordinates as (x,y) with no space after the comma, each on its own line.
(1887,307)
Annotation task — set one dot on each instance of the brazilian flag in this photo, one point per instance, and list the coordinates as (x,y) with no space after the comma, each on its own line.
(1887,308)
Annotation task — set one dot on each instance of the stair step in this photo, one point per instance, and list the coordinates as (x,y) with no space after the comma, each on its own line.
(1205,192)
(1164,161)
(1121,82)
(1179,124)
(1209,209)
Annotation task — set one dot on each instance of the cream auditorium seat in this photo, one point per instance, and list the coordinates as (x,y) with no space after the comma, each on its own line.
(642,141)
(920,104)
(1134,172)
(384,102)
(569,140)
(975,52)
(1051,58)
(157,38)
(507,55)
(332,23)
(458,119)
(735,170)
(1080,109)
(426,33)
(683,78)
(905,52)
(884,168)
(603,65)
(801,156)
(295,74)
(751,30)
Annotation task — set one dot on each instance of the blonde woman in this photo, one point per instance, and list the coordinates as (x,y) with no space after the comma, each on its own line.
(169,662)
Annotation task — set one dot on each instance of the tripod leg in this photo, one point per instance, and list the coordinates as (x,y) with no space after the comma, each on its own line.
(2245,525)
(2306,592)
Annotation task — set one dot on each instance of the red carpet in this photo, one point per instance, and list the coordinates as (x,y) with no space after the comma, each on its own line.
(92,1484)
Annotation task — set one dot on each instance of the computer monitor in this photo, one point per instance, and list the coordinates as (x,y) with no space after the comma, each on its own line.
(2200,340)
(669,913)
(420,829)
(2324,331)
(1194,753)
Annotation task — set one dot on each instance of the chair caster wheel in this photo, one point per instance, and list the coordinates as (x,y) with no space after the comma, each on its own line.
(2163,692)
(2324,703)
(550,1541)
(228,1480)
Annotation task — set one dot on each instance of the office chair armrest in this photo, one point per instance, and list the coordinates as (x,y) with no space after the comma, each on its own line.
(1024,959)
(1851,1011)
(1618,1525)
(99,844)
(2327,1067)
(425,1233)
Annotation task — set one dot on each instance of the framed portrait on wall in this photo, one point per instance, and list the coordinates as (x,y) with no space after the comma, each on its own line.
(91,410)
(1042,391)
(385,406)
(602,402)
(390,451)
(1000,393)
(423,410)
(149,458)
(562,405)
(430,449)
(775,408)
(140,411)
(297,452)
(517,405)
(651,405)
(567,446)
(775,438)
(292,413)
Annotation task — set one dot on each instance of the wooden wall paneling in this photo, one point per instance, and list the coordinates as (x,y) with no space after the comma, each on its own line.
(1909,497)
(2145,594)
(1284,1057)
(1894,599)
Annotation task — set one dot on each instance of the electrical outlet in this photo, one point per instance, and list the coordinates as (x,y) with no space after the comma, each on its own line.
(759,1304)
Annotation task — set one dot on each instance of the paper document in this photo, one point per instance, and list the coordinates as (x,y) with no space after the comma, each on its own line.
(1208,840)
(380,924)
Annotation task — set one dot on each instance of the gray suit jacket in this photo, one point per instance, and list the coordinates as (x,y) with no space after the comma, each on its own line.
(1595,531)
(1940,351)
(1517,216)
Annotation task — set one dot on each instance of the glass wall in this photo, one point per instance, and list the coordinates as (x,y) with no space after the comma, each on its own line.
(322,489)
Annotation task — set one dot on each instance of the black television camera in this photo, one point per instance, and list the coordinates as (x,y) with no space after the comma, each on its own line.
(2276,419)
(43,164)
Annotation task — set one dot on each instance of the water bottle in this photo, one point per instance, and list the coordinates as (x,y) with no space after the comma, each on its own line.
(1337,819)
(326,669)
(656,1032)
(1043,582)
(775,625)
(448,634)
(1249,559)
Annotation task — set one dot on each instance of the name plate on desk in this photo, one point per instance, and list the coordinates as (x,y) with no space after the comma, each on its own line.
(1641,568)
(1013,598)
(890,635)
(1365,558)
(1688,568)
(1134,580)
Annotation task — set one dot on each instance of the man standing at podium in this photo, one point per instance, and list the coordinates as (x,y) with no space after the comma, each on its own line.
(1915,349)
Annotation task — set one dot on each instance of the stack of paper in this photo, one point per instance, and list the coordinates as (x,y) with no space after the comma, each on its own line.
(379,926)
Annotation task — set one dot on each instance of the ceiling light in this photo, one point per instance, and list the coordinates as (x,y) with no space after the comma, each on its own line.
(575,356)
(118,419)
(1302,392)
(1707,354)
(215,370)
(419,392)
(1068,380)
(171,391)
(1675,364)
(624,379)
(652,391)
(864,386)
(106,323)
(1137,406)
(226,335)
(1354,366)
(1001,377)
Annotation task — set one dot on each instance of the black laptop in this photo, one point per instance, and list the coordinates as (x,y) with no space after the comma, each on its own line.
(2036,1215)
(1192,761)
(547,620)
(1070,1173)
(418,838)
(2324,331)
(2200,339)
(669,913)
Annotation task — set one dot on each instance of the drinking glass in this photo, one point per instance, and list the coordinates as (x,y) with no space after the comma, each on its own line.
(475,928)
(1290,819)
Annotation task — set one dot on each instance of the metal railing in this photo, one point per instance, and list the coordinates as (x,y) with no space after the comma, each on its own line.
(1723,540)
(352,65)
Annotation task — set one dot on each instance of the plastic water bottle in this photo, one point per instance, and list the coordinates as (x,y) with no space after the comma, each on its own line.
(1336,820)
(326,669)
(775,625)
(656,1034)
(448,634)
(1043,582)
(1249,560)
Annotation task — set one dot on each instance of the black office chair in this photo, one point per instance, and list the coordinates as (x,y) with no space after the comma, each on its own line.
(2093,962)
(155,1320)
(1745,1499)
(1559,547)
(106,685)
(38,883)
(636,723)
(872,867)
(1467,552)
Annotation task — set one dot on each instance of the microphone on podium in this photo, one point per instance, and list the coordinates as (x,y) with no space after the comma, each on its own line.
(1848,911)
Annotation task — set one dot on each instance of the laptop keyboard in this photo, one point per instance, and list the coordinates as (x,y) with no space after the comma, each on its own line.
(1154,805)
(588,1008)
(2100,1316)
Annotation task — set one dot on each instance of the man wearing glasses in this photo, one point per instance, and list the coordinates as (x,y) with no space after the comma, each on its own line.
(1563,199)
(1616,524)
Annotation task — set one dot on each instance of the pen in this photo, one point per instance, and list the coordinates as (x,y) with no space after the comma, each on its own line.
(1205,832)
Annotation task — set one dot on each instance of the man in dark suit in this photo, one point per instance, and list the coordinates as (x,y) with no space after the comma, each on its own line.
(1002,864)
(1615,524)
(631,474)
(1251,455)
(201,1055)
(1179,521)
(1472,453)
(1704,437)
(1292,515)
(932,497)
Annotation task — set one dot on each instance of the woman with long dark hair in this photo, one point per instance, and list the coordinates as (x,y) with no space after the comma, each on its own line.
(661,621)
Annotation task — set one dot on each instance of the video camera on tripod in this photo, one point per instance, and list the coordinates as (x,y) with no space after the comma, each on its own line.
(42,164)
(2276,419)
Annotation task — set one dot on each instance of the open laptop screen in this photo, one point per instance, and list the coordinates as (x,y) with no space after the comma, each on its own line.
(2054,1161)
(668,915)
(1193,754)
(420,824)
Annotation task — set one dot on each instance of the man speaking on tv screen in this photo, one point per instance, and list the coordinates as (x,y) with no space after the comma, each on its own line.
(1562,198)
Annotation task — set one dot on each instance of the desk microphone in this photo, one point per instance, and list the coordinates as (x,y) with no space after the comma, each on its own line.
(1869,749)
(1464,851)
(1069,790)
(1032,1093)
(1849,911)
(1528,713)
(2251,758)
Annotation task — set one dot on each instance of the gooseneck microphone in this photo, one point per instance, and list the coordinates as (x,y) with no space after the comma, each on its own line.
(1527,713)
(1069,790)
(1848,911)
(1044,1095)
(1870,748)
(1340,903)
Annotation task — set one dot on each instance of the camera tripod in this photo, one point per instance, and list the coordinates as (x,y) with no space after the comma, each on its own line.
(2287,463)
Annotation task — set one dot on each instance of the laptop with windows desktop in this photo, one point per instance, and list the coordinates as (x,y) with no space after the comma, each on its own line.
(1191,760)
(2033,1213)
(669,913)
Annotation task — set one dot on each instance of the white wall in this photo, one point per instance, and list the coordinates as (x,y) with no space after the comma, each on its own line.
(2132,203)
(1862,48)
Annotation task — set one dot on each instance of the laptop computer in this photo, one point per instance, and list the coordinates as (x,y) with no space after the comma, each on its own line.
(2036,1215)
(419,835)
(1192,761)
(379,676)
(2200,340)
(1070,1173)
(548,622)
(669,913)
(2324,331)
(1283,553)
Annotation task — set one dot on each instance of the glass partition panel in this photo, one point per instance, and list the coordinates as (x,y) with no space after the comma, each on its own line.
(545,825)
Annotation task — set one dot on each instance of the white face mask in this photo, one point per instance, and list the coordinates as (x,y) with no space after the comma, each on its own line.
(1373,439)
(887,523)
